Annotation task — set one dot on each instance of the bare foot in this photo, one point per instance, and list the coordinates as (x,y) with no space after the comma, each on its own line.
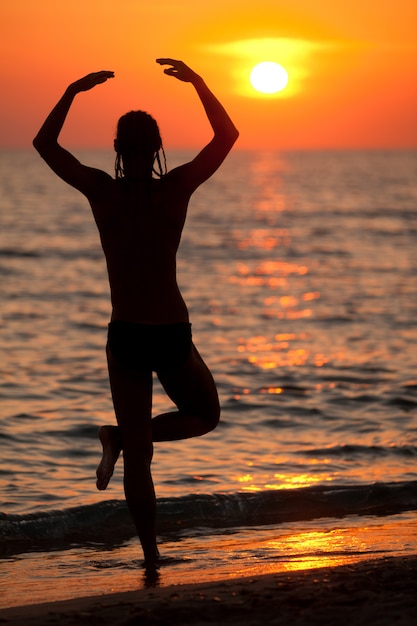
(110,440)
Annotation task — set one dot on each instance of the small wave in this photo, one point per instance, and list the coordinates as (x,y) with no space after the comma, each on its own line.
(110,522)
(16,253)
(27,417)
(82,431)
(403,403)
(358,450)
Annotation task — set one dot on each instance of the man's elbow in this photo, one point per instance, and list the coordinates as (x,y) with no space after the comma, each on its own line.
(226,138)
(233,135)
(37,144)
(41,145)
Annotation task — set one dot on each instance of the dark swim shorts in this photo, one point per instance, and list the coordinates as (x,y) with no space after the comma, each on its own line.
(156,347)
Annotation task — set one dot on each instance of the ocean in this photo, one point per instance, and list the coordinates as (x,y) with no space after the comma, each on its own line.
(300,273)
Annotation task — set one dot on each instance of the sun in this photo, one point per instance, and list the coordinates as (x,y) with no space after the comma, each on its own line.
(268,77)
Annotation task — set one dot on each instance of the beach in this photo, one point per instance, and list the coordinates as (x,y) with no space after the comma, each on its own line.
(374,592)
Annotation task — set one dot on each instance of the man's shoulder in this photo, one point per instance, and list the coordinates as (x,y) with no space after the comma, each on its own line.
(177,177)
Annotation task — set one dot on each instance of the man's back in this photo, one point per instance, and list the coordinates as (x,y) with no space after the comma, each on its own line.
(140,227)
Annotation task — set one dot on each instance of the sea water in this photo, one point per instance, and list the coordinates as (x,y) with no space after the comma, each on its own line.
(300,273)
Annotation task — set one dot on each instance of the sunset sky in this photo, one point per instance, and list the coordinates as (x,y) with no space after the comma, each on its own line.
(352,68)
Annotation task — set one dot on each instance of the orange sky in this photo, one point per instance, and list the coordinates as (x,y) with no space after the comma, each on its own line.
(352,66)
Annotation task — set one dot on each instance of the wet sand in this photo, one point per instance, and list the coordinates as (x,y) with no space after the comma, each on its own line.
(380,591)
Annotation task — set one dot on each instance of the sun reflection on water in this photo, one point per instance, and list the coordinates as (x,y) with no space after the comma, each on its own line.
(267,239)
(284,481)
(315,548)
(269,354)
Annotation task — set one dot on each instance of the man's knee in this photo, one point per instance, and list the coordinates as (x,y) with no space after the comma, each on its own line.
(137,451)
(212,417)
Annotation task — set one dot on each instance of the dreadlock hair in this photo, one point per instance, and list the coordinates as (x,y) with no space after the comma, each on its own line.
(138,135)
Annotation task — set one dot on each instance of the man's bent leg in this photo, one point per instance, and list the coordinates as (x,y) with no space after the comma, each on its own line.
(193,390)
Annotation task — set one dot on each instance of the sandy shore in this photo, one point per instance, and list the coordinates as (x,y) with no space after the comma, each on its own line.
(382,591)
